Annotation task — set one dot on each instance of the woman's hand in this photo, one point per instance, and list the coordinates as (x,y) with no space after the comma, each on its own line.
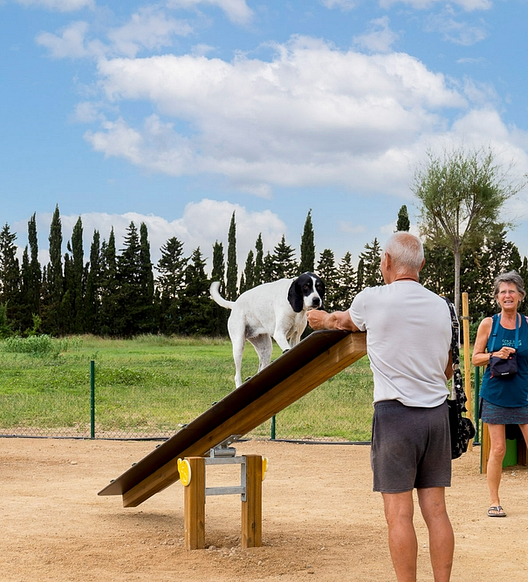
(504,352)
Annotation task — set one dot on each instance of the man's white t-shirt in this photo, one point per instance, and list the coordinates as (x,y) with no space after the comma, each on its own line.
(408,342)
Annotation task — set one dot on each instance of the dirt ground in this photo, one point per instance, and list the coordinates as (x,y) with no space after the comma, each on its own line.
(321,520)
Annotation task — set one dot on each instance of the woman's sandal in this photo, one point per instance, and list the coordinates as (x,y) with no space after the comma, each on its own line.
(496,511)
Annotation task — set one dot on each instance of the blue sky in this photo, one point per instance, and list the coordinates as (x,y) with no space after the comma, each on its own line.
(177,113)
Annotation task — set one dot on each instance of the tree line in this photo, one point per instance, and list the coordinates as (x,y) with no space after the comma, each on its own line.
(121,293)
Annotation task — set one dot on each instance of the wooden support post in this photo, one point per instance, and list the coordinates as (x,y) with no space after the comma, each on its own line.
(194,505)
(252,505)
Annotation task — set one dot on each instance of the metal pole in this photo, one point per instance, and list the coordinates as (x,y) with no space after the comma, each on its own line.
(92,399)
(273,428)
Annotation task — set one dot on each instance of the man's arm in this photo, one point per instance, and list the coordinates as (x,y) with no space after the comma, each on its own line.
(336,320)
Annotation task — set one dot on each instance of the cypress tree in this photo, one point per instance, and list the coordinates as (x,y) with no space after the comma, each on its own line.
(93,283)
(259,262)
(146,283)
(232,267)
(109,286)
(34,277)
(247,280)
(219,315)
(403,222)
(52,317)
(307,246)
(9,276)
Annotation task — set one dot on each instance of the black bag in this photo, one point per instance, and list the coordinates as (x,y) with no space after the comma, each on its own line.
(503,368)
(499,366)
(460,427)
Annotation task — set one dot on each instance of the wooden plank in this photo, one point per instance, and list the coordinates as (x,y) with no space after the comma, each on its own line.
(316,359)
(194,506)
(252,506)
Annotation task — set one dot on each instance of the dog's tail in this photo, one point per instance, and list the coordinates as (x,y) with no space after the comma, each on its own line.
(215,296)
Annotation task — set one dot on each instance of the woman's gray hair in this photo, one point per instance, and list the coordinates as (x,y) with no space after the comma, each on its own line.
(406,251)
(509,277)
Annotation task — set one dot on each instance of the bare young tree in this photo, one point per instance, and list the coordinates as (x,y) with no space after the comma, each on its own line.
(463,196)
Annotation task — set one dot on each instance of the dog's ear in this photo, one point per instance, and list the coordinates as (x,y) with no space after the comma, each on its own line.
(295,296)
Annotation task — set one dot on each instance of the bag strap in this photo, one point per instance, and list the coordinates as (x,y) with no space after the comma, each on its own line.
(460,395)
(496,319)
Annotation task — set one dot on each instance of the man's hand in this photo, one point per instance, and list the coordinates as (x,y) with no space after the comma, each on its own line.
(319,319)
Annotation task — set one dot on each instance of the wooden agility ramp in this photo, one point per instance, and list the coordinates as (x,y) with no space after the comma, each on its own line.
(295,373)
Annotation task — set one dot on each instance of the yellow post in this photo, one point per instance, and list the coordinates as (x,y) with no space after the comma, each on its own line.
(467,357)
(194,505)
(252,506)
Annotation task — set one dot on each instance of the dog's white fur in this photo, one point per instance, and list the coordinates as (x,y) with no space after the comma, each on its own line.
(272,310)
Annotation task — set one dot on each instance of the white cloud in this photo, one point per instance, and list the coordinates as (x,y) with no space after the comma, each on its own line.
(313,115)
(343,4)
(59,5)
(236,10)
(201,225)
(149,28)
(69,44)
(457,32)
(379,37)
(467,5)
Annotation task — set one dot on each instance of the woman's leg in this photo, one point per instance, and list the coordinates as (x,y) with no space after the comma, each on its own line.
(497,434)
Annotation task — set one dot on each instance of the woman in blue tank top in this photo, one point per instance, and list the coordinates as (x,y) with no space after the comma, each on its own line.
(504,398)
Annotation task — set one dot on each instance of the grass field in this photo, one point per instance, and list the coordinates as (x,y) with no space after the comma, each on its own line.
(149,387)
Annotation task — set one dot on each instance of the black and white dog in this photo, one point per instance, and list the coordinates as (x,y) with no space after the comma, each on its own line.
(272,310)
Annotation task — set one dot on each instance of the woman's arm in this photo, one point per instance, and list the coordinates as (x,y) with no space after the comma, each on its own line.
(480,356)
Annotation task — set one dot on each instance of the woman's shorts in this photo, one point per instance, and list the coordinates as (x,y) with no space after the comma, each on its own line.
(493,414)
(411,447)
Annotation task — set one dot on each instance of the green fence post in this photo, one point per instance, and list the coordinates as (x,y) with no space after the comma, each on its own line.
(273,428)
(92,399)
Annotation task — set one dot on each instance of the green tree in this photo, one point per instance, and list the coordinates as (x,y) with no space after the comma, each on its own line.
(219,314)
(196,302)
(346,282)
(462,196)
(129,299)
(93,286)
(171,283)
(307,263)
(403,223)
(247,281)
(327,270)
(259,261)
(109,286)
(232,267)
(9,275)
(284,263)
(34,273)
(146,283)
(371,258)
(52,317)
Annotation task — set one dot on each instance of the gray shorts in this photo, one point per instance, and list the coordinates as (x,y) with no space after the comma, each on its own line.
(411,447)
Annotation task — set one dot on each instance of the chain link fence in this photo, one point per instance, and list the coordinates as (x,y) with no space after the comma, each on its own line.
(153,395)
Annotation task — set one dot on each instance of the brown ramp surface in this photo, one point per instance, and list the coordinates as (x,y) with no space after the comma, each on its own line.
(314,360)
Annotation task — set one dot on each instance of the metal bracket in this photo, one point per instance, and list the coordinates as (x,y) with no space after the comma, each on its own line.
(223,449)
